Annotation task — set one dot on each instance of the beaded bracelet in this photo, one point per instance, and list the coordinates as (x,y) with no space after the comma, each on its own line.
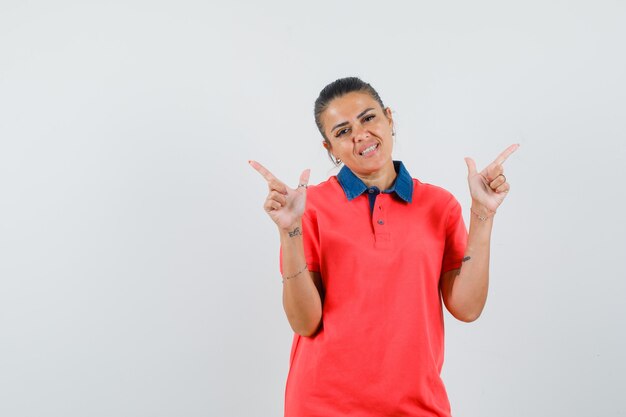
(296,274)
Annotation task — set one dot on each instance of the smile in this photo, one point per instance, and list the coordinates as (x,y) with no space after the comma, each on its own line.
(369,150)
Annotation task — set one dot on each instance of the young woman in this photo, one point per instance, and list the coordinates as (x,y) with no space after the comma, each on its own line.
(367,257)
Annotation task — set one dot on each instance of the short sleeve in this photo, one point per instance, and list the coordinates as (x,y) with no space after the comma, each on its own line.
(311,242)
(456,237)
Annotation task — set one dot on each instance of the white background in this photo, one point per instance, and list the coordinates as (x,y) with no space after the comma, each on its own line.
(138,271)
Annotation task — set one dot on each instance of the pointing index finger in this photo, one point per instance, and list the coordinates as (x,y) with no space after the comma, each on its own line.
(507,152)
(272,182)
(269,177)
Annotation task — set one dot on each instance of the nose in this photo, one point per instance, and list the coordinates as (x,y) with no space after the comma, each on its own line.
(360,133)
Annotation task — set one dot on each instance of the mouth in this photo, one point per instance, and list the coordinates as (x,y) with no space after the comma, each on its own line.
(369,150)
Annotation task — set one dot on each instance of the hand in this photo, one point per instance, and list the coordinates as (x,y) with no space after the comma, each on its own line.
(488,187)
(284,205)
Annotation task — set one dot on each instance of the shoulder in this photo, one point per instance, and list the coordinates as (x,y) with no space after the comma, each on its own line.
(325,193)
(435,198)
(324,189)
(424,190)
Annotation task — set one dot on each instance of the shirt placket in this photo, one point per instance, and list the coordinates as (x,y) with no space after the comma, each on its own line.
(382,235)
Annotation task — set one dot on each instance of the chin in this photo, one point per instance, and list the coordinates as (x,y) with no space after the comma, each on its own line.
(369,167)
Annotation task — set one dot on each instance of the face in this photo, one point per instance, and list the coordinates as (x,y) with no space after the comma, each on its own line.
(359,132)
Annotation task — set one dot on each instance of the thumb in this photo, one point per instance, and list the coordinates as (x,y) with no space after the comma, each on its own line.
(471,166)
(304,177)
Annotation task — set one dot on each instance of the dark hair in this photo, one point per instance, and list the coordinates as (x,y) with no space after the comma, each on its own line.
(336,89)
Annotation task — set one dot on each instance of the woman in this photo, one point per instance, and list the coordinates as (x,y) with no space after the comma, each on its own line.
(367,258)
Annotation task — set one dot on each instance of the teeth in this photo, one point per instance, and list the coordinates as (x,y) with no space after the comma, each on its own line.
(368,150)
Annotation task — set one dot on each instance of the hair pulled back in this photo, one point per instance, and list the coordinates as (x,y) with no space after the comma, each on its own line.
(336,89)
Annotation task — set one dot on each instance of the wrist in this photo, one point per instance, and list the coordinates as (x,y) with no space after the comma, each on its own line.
(291,231)
(481,212)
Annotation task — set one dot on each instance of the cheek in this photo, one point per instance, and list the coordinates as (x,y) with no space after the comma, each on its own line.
(383,131)
(383,125)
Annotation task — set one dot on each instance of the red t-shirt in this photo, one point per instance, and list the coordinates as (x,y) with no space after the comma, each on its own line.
(379,350)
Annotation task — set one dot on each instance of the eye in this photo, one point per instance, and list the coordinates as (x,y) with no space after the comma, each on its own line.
(341,132)
(369,117)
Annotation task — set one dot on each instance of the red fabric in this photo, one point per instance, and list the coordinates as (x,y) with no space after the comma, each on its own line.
(380,349)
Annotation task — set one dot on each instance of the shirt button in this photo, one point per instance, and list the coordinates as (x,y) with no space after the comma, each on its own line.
(380,221)
(371,191)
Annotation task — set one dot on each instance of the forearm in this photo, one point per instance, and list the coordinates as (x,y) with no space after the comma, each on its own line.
(469,291)
(301,298)
(464,291)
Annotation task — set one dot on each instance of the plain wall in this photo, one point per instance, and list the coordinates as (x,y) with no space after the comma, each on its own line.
(138,271)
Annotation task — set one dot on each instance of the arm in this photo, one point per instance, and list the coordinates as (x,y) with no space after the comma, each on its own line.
(301,294)
(301,288)
(464,290)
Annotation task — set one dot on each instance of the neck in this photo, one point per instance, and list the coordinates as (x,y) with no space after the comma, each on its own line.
(383,178)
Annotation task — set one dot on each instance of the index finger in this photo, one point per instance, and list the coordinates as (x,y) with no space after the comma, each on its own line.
(507,152)
(269,177)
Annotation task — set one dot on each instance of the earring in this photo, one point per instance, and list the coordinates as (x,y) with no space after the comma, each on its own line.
(337,161)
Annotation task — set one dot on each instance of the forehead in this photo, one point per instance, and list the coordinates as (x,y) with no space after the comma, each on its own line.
(347,107)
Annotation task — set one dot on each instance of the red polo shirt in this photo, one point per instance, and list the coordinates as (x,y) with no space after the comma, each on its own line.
(379,351)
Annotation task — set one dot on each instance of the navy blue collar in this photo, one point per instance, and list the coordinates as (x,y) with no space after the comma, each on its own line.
(354,187)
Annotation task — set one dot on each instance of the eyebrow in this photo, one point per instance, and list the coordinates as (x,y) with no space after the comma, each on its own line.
(358,117)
